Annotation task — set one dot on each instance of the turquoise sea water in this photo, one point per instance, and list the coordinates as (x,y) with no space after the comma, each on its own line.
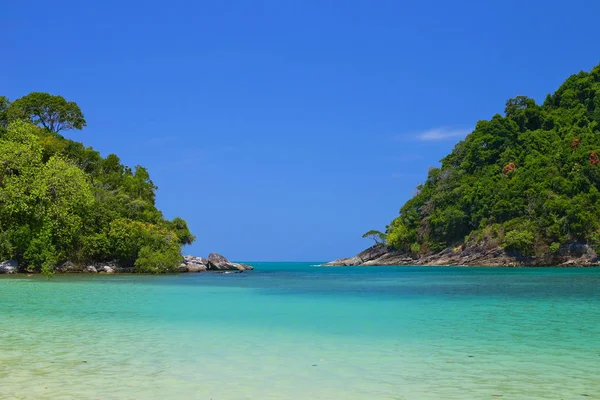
(297,331)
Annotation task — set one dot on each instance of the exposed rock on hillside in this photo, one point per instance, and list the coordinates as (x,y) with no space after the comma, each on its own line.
(573,254)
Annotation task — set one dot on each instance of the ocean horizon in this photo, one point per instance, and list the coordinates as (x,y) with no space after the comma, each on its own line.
(303,331)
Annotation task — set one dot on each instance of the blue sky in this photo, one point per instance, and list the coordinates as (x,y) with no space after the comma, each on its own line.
(283,130)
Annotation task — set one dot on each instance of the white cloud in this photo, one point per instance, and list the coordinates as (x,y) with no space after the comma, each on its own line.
(442,134)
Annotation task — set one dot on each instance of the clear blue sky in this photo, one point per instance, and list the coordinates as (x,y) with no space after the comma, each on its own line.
(283,130)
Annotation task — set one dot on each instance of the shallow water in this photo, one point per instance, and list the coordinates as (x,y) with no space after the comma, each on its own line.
(296,331)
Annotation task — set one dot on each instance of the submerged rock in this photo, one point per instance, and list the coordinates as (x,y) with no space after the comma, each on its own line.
(9,267)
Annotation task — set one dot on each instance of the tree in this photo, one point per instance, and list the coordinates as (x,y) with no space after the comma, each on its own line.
(4,104)
(61,201)
(54,113)
(377,236)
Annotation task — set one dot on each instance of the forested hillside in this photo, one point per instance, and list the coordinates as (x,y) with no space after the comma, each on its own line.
(528,180)
(60,200)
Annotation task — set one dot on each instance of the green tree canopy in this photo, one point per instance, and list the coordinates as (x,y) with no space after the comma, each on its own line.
(54,113)
(61,201)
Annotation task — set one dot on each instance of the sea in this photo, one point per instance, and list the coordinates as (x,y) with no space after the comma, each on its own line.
(304,331)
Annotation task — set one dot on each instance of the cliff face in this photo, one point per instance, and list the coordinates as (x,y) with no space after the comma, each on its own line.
(573,254)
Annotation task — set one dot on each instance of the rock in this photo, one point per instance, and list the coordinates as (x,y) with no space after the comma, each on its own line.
(90,269)
(107,269)
(217,262)
(196,267)
(368,255)
(182,267)
(69,267)
(490,255)
(193,264)
(9,267)
(194,259)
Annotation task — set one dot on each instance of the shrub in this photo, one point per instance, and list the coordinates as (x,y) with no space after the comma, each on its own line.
(519,240)
(158,261)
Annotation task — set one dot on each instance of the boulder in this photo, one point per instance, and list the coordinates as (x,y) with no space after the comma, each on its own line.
(194,259)
(242,267)
(369,255)
(196,267)
(8,267)
(193,264)
(107,269)
(217,262)
(182,267)
(69,267)
(90,269)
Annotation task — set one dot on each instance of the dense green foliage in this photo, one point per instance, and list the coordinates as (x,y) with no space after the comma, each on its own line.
(60,200)
(528,181)
(52,112)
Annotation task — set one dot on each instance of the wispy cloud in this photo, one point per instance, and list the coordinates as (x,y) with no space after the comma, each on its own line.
(442,134)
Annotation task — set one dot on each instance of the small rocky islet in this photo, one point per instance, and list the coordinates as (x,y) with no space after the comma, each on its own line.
(215,263)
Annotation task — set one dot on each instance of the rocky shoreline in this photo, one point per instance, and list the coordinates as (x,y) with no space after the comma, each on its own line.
(215,262)
(572,255)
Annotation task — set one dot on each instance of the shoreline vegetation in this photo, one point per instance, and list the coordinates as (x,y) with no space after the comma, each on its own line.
(65,208)
(522,189)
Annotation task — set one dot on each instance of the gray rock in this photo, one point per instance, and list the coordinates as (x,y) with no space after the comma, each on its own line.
(107,269)
(69,267)
(90,269)
(182,268)
(368,255)
(491,255)
(193,264)
(9,267)
(242,267)
(194,259)
(196,267)
(217,262)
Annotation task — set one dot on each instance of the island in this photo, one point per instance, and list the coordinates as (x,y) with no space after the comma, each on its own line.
(65,208)
(522,189)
